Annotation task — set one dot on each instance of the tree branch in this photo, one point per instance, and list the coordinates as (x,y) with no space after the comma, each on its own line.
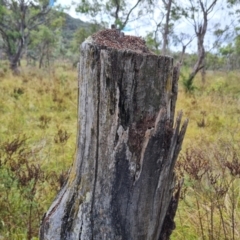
(128,15)
(210,8)
(117,2)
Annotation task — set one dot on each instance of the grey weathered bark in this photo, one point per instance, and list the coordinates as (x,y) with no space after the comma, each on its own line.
(122,181)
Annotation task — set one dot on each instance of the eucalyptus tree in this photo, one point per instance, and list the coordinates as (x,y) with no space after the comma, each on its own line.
(45,40)
(17,19)
(198,13)
(43,43)
(184,40)
(167,24)
(164,16)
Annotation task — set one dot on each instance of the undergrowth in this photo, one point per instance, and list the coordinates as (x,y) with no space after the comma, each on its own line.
(209,163)
(209,205)
(38,114)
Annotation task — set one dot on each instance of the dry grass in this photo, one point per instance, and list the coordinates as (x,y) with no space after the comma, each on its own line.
(210,160)
(38,115)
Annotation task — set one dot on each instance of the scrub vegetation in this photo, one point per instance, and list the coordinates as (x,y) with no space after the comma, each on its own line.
(39,51)
(38,140)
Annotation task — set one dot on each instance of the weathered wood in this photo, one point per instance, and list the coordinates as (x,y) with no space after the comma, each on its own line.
(122,181)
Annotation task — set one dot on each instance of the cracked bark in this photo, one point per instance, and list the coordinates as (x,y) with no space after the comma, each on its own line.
(122,181)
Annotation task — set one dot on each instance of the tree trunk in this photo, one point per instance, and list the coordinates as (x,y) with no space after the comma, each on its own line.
(14,58)
(165,35)
(14,65)
(122,181)
(41,60)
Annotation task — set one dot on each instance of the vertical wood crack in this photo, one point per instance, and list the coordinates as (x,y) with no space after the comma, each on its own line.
(97,147)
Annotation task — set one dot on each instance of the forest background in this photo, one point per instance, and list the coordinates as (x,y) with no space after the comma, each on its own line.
(39,51)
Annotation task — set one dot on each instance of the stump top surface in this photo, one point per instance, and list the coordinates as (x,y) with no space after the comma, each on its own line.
(113,38)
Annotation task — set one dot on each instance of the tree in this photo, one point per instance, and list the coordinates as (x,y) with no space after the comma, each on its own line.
(43,41)
(153,41)
(166,29)
(80,36)
(17,19)
(1,48)
(197,13)
(227,53)
(121,185)
(233,2)
(184,39)
(164,17)
(82,33)
(119,12)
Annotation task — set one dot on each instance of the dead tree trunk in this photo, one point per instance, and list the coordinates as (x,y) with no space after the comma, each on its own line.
(122,181)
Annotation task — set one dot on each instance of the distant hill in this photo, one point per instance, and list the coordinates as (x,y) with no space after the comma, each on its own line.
(70,27)
(72,24)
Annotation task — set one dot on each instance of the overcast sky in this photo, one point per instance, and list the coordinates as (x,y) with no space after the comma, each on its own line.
(142,27)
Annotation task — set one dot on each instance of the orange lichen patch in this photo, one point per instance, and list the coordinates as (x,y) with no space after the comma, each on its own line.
(113,38)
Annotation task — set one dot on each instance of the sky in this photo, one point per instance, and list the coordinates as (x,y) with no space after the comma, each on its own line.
(146,25)
(135,28)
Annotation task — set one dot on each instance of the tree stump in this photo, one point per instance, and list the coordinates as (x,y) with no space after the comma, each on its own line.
(121,184)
